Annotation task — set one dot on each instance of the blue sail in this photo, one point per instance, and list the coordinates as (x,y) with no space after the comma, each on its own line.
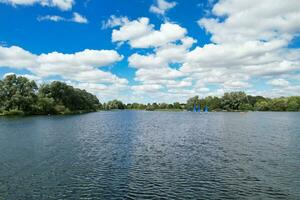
(195,110)
(206,109)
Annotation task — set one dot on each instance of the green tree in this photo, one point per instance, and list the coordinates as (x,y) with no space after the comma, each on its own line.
(293,104)
(279,104)
(233,100)
(191,102)
(214,103)
(115,104)
(17,93)
(262,105)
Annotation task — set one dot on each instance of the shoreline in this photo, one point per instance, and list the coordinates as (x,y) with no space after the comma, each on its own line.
(117,110)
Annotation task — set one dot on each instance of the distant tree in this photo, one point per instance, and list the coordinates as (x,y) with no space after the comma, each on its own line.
(246,107)
(293,104)
(115,104)
(279,104)
(191,102)
(214,103)
(253,99)
(46,105)
(233,100)
(177,105)
(262,105)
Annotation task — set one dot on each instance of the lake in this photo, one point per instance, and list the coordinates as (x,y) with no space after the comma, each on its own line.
(151,155)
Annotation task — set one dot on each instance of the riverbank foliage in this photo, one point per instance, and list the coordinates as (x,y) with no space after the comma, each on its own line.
(20,96)
(232,101)
(240,101)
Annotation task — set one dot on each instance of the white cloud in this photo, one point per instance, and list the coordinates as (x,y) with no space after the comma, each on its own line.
(132,29)
(140,34)
(162,6)
(114,21)
(17,57)
(80,66)
(279,82)
(168,33)
(61,4)
(147,88)
(54,18)
(77,18)
(272,19)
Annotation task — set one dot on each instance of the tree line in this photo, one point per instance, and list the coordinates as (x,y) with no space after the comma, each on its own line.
(19,95)
(230,101)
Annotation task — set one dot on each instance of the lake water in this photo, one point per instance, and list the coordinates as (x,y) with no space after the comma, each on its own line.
(151,155)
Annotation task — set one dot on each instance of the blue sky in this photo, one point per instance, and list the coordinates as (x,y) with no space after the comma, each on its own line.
(154,50)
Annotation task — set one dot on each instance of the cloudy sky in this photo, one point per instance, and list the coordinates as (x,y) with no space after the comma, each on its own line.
(154,50)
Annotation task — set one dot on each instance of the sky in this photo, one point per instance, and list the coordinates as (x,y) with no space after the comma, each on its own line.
(154,50)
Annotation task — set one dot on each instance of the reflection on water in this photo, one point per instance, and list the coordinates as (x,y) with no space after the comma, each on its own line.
(151,155)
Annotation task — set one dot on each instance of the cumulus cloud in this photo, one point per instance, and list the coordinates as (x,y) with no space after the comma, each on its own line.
(272,19)
(140,34)
(17,57)
(61,4)
(147,88)
(155,69)
(279,82)
(162,6)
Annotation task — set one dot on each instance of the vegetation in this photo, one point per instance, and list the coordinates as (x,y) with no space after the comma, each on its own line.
(232,101)
(20,96)
(240,101)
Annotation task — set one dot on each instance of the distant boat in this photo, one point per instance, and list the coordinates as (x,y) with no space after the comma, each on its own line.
(199,109)
(205,109)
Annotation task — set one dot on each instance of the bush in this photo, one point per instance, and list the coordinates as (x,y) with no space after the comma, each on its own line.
(61,109)
(14,112)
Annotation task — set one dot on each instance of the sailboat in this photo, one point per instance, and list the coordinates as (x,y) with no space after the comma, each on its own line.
(205,109)
(195,109)
(199,109)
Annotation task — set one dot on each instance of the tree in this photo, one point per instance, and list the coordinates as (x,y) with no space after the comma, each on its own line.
(214,103)
(17,93)
(191,102)
(279,104)
(71,98)
(245,107)
(293,104)
(115,104)
(262,105)
(233,100)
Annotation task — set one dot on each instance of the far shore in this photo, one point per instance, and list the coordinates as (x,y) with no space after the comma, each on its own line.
(117,110)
